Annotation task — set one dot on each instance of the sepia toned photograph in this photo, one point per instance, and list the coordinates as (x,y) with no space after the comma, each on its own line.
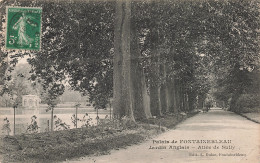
(130,81)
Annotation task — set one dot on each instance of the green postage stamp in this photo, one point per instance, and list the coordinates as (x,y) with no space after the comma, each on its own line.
(23,29)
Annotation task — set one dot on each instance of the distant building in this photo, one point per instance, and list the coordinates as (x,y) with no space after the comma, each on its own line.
(30,101)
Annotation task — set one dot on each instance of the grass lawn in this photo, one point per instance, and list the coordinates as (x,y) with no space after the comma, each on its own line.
(252,116)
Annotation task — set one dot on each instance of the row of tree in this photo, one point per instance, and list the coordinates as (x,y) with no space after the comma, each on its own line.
(153,58)
(184,48)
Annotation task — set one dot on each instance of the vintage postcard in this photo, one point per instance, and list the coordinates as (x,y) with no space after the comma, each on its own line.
(130,81)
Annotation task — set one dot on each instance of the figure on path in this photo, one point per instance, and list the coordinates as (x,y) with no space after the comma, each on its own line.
(208,105)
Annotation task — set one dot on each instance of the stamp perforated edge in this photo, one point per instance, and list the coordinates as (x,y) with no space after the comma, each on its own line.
(6,22)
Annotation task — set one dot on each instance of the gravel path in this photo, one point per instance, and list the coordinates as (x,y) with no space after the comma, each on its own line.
(214,137)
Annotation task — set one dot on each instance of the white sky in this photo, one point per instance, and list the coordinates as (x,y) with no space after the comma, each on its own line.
(22,60)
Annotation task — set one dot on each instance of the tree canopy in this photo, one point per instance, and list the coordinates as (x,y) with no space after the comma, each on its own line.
(170,54)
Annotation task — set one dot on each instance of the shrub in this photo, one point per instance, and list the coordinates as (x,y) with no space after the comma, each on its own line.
(74,120)
(6,127)
(59,125)
(246,102)
(87,121)
(251,110)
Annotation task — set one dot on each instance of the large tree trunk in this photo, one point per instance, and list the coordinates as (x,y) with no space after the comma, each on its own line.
(192,100)
(175,99)
(122,66)
(179,95)
(139,91)
(154,100)
(201,99)
(171,86)
(163,89)
(137,77)
(171,98)
(155,91)
(186,101)
(146,98)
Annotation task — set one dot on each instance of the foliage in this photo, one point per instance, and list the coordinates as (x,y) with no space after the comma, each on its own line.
(59,125)
(33,127)
(196,42)
(5,100)
(247,101)
(63,49)
(87,121)
(74,120)
(126,123)
(67,144)
(239,51)
(18,85)
(6,126)
(52,93)
(70,95)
